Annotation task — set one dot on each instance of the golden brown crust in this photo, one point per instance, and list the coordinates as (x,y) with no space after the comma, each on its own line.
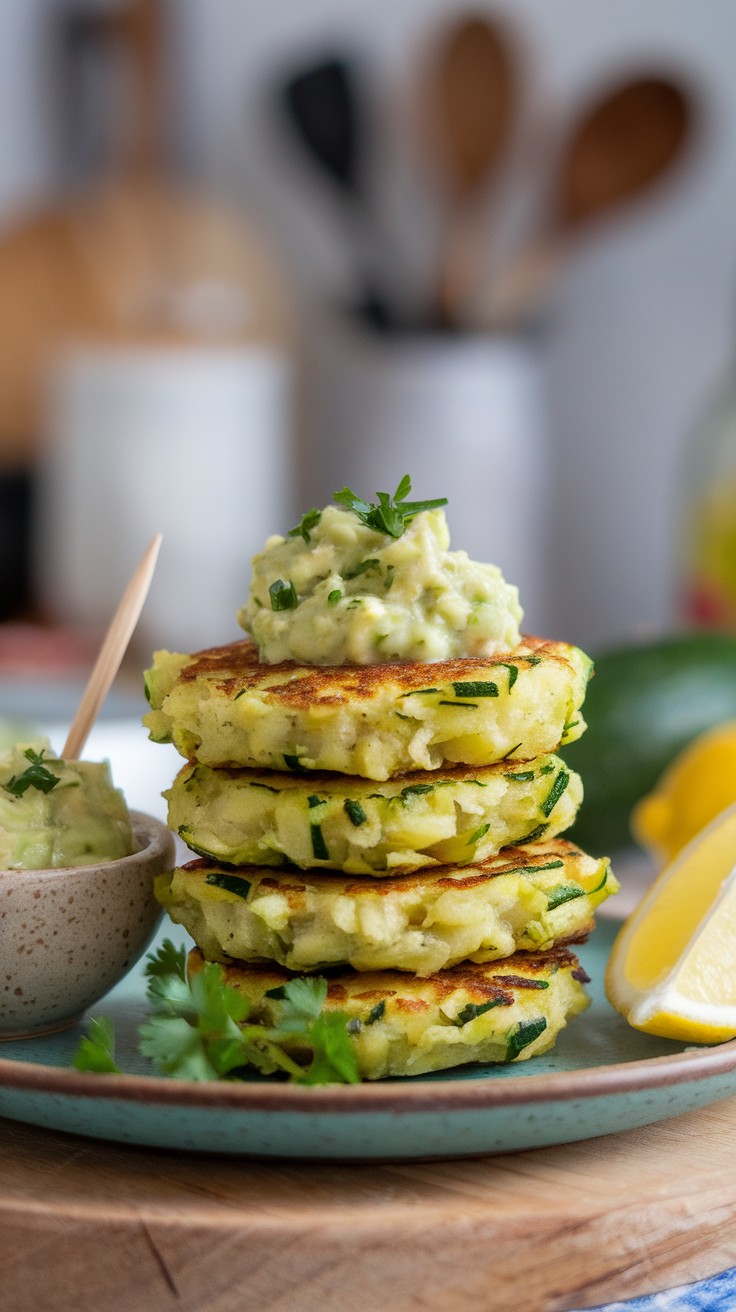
(494,979)
(507,860)
(236,667)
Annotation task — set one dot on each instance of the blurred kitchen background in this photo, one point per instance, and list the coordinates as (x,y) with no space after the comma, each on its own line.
(252,252)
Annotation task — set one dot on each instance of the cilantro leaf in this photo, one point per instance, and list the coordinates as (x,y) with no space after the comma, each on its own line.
(334,1058)
(167,961)
(309,521)
(97,1051)
(302,1002)
(36,776)
(390,515)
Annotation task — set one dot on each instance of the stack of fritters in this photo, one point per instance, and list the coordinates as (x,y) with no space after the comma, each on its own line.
(394,827)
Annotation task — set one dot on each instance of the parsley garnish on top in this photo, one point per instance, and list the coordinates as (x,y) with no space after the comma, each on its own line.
(309,521)
(391,514)
(198,1029)
(36,776)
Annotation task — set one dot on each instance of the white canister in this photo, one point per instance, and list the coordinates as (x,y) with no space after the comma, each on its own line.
(465,417)
(192,442)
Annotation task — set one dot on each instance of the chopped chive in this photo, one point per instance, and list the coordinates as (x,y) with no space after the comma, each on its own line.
(524,1034)
(293,762)
(354,811)
(521,982)
(547,769)
(377,1013)
(474,838)
(416,790)
(239,694)
(381,795)
(231,883)
(333,597)
(319,847)
(402,717)
(362,568)
(510,752)
(267,787)
(523,777)
(463,706)
(355,602)
(572,725)
(417,692)
(555,793)
(473,1009)
(532,870)
(389,576)
(562,893)
(314,800)
(535,833)
(283,595)
(476,689)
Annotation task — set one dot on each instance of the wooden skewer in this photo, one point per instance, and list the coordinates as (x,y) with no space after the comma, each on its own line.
(111,654)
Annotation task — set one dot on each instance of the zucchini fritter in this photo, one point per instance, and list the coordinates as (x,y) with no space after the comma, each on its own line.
(499,1012)
(526,898)
(258,817)
(223,707)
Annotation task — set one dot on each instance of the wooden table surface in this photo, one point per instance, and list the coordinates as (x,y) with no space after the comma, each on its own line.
(98,1227)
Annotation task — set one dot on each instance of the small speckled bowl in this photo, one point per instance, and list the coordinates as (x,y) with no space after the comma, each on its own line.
(69,935)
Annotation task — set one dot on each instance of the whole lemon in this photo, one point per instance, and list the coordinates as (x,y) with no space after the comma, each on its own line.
(694,789)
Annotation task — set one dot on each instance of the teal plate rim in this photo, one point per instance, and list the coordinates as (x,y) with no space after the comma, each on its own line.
(405,1096)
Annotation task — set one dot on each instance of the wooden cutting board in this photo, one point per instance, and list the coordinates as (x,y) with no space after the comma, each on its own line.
(86,1226)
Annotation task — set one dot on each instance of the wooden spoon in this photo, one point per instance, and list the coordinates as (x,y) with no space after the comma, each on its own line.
(618,149)
(473,100)
(111,654)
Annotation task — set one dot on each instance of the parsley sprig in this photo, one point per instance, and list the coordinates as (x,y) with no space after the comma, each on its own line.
(309,521)
(36,776)
(391,514)
(198,1028)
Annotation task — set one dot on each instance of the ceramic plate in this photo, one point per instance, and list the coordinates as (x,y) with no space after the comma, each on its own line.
(601,1077)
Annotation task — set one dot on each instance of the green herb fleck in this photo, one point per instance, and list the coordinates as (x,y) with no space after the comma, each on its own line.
(355,812)
(268,788)
(534,835)
(598,887)
(314,800)
(555,793)
(231,883)
(532,870)
(417,692)
(283,595)
(402,717)
(547,769)
(309,521)
(562,893)
(293,762)
(416,790)
(510,752)
(462,706)
(474,838)
(377,1013)
(355,602)
(573,724)
(97,1052)
(362,568)
(473,1009)
(389,576)
(391,514)
(523,777)
(533,660)
(36,776)
(319,847)
(475,689)
(524,1034)
(333,597)
(239,694)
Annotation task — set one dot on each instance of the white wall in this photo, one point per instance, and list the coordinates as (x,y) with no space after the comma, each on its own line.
(642,323)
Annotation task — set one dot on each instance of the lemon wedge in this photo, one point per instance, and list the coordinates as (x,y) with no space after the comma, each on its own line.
(672,969)
(694,789)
